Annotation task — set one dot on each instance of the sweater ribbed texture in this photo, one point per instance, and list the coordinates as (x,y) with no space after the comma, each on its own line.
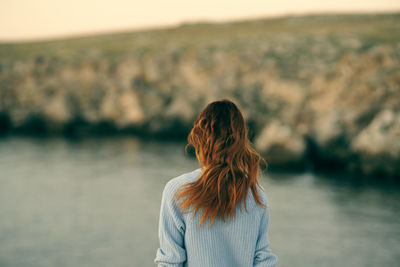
(242,242)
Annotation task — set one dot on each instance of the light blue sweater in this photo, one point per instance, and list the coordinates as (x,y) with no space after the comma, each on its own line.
(242,242)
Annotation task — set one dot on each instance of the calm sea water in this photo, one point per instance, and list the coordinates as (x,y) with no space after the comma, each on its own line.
(96,202)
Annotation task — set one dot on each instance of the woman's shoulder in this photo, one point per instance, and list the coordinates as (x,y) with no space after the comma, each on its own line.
(184,178)
(262,194)
(251,200)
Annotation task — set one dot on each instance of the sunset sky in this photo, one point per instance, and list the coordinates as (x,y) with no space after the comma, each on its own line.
(38,19)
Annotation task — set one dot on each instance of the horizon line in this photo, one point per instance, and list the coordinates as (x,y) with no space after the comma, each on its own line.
(165,26)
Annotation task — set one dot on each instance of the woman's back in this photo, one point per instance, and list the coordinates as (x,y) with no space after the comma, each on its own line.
(240,242)
(203,221)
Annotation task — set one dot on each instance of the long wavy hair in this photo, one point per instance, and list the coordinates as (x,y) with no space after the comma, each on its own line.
(230,166)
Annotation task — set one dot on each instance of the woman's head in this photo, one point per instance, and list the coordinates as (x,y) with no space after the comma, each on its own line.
(230,164)
(219,134)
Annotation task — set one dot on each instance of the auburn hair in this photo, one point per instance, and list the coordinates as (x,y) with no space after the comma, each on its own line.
(229,164)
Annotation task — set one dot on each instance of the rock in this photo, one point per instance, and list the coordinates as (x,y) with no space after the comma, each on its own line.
(378,145)
(131,111)
(330,96)
(281,146)
(56,113)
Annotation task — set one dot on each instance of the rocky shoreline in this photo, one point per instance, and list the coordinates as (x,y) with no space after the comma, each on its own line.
(324,89)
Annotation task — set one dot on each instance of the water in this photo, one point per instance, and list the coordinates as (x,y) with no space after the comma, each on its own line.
(96,202)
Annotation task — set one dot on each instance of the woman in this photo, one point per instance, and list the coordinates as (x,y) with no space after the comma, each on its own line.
(214,194)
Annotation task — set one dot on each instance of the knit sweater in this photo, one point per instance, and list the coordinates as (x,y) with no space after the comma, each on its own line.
(242,242)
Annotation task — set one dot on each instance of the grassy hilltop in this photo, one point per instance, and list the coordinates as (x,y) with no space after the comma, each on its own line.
(371,29)
(321,88)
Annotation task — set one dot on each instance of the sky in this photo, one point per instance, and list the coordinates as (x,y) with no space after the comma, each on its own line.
(22,20)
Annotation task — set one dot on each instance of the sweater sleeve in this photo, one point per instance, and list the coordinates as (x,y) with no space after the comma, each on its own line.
(263,255)
(171,232)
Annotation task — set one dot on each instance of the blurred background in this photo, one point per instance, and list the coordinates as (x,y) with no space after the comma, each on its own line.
(97,99)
